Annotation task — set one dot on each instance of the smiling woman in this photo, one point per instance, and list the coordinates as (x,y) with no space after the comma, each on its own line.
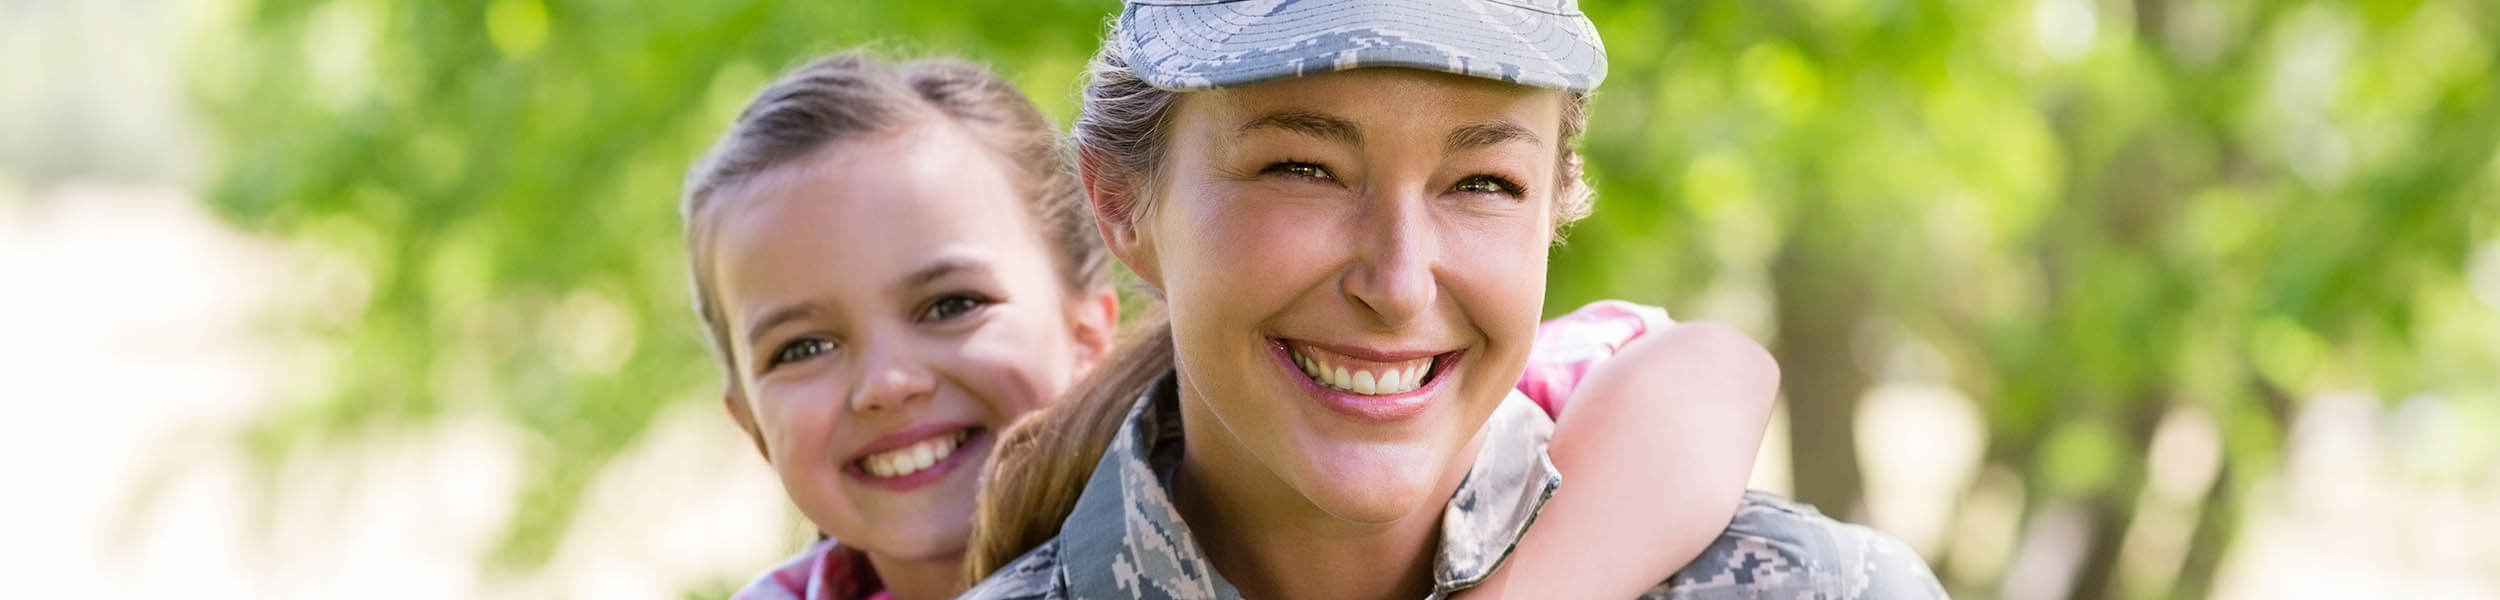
(1353,286)
(1375,254)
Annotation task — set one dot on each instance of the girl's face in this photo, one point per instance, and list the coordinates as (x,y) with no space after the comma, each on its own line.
(892,306)
(1355,264)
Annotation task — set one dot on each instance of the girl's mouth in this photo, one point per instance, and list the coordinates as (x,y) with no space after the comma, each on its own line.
(917,462)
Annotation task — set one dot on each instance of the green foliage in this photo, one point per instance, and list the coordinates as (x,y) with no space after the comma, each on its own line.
(2227,205)
(2218,204)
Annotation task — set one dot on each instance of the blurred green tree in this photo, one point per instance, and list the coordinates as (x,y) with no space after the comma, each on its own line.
(2100,212)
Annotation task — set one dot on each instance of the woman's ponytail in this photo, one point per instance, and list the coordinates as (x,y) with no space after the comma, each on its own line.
(1042,462)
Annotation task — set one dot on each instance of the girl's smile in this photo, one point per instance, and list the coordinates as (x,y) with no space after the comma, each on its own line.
(884,338)
(918,456)
(893,263)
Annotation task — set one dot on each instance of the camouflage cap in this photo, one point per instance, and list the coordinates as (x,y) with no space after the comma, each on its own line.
(1199,44)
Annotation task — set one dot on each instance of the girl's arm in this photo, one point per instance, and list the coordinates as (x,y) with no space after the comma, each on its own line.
(1655,448)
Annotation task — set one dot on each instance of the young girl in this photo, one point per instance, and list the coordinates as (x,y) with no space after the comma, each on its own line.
(1315,188)
(894,263)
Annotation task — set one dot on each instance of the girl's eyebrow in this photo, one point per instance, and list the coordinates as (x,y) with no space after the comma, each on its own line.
(777,316)
(939,269)
(1311,123)
(935,270)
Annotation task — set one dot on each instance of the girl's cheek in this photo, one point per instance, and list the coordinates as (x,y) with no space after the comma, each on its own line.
(798,417)
(1009,372)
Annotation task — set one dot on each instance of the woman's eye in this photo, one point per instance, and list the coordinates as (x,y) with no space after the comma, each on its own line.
(950,307)
(1295,168)
(798,350)
(1488,184)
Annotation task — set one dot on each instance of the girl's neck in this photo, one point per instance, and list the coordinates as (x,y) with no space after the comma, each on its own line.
(932,579)
(1270,542)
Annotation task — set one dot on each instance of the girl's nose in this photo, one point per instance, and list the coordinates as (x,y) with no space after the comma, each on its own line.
(889,384)
(1392,277)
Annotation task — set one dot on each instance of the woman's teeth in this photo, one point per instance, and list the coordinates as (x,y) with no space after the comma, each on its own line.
(1397,379)
(913,458)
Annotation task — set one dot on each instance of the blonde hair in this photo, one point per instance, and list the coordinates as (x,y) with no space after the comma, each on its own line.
(855,97)
(1043,462)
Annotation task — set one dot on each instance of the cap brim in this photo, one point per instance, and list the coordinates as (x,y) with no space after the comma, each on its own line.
(1200,44)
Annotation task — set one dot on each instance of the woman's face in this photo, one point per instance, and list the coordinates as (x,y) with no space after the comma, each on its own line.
(1355,264)
(891,307)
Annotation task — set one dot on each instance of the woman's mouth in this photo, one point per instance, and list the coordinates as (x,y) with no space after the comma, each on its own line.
(1378,386)
(1368,378)
(912,459)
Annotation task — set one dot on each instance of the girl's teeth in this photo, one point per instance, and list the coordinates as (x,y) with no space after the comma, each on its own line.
(913,458)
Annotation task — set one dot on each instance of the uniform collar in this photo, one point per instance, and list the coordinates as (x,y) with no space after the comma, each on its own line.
(1125,539)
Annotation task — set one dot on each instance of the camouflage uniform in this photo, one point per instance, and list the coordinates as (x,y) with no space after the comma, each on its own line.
(1124,540)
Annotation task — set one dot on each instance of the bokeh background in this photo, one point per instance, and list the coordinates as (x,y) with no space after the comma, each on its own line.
(2083,298)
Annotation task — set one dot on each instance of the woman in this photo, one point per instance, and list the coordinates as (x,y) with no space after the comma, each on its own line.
(1363,185)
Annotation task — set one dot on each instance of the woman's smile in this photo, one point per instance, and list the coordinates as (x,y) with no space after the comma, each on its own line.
(1345,289)
(1363,383)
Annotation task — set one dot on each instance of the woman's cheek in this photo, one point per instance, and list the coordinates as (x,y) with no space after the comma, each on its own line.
(1507,252)
(1500,280)
(1244,243)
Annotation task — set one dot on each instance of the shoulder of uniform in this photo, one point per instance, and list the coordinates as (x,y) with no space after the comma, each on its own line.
(1034,576)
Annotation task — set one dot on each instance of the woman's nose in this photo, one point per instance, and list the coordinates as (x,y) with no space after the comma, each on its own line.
(1392,278)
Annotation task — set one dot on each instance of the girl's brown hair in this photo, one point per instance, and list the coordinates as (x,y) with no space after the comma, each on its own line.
(1044,461)
(853,97)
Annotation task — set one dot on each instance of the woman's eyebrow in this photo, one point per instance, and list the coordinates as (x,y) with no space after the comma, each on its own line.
(1486,134)
(1315,124)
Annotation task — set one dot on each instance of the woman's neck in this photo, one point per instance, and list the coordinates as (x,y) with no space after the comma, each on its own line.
(932,579)
(1270,542)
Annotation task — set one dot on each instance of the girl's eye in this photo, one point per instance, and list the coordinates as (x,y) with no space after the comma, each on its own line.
(1295,168)
(1488,184)
(950,307)
(798,350)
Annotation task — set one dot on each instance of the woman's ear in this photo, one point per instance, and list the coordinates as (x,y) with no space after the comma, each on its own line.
(1114,194)
(738,411)
(1094,320)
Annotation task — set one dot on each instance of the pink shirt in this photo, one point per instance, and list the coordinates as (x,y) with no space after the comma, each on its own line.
(824,571)
(1566,348)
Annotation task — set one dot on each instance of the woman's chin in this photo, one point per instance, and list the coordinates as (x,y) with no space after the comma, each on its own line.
(1376,484)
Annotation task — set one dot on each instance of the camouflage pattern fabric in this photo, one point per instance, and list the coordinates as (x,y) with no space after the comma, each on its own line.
(1777,548)
(1125,540)
(1200,44)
